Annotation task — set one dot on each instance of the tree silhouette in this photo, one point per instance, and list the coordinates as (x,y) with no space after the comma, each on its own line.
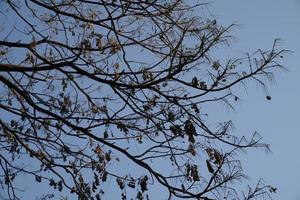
(115,92)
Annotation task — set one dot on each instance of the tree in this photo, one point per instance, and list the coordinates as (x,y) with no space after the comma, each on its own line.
(91,87)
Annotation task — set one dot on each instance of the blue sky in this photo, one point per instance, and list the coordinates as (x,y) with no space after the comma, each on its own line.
(261,21)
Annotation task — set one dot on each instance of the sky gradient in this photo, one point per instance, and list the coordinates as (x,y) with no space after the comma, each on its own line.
(260,22)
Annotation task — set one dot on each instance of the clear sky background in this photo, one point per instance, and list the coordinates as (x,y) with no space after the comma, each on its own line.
(261,21)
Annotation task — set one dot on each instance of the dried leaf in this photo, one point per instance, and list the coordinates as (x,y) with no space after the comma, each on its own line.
(143,183)
(218,158)
(98,149)
(210,167)
(38,178)
(194,173)
(120,183)
(216,65)
(190,130)
(131,184)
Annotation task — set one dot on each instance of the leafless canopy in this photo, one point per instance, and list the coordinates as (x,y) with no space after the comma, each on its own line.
(115,93)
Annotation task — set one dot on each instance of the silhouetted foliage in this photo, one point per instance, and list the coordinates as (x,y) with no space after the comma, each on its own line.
(107,95)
